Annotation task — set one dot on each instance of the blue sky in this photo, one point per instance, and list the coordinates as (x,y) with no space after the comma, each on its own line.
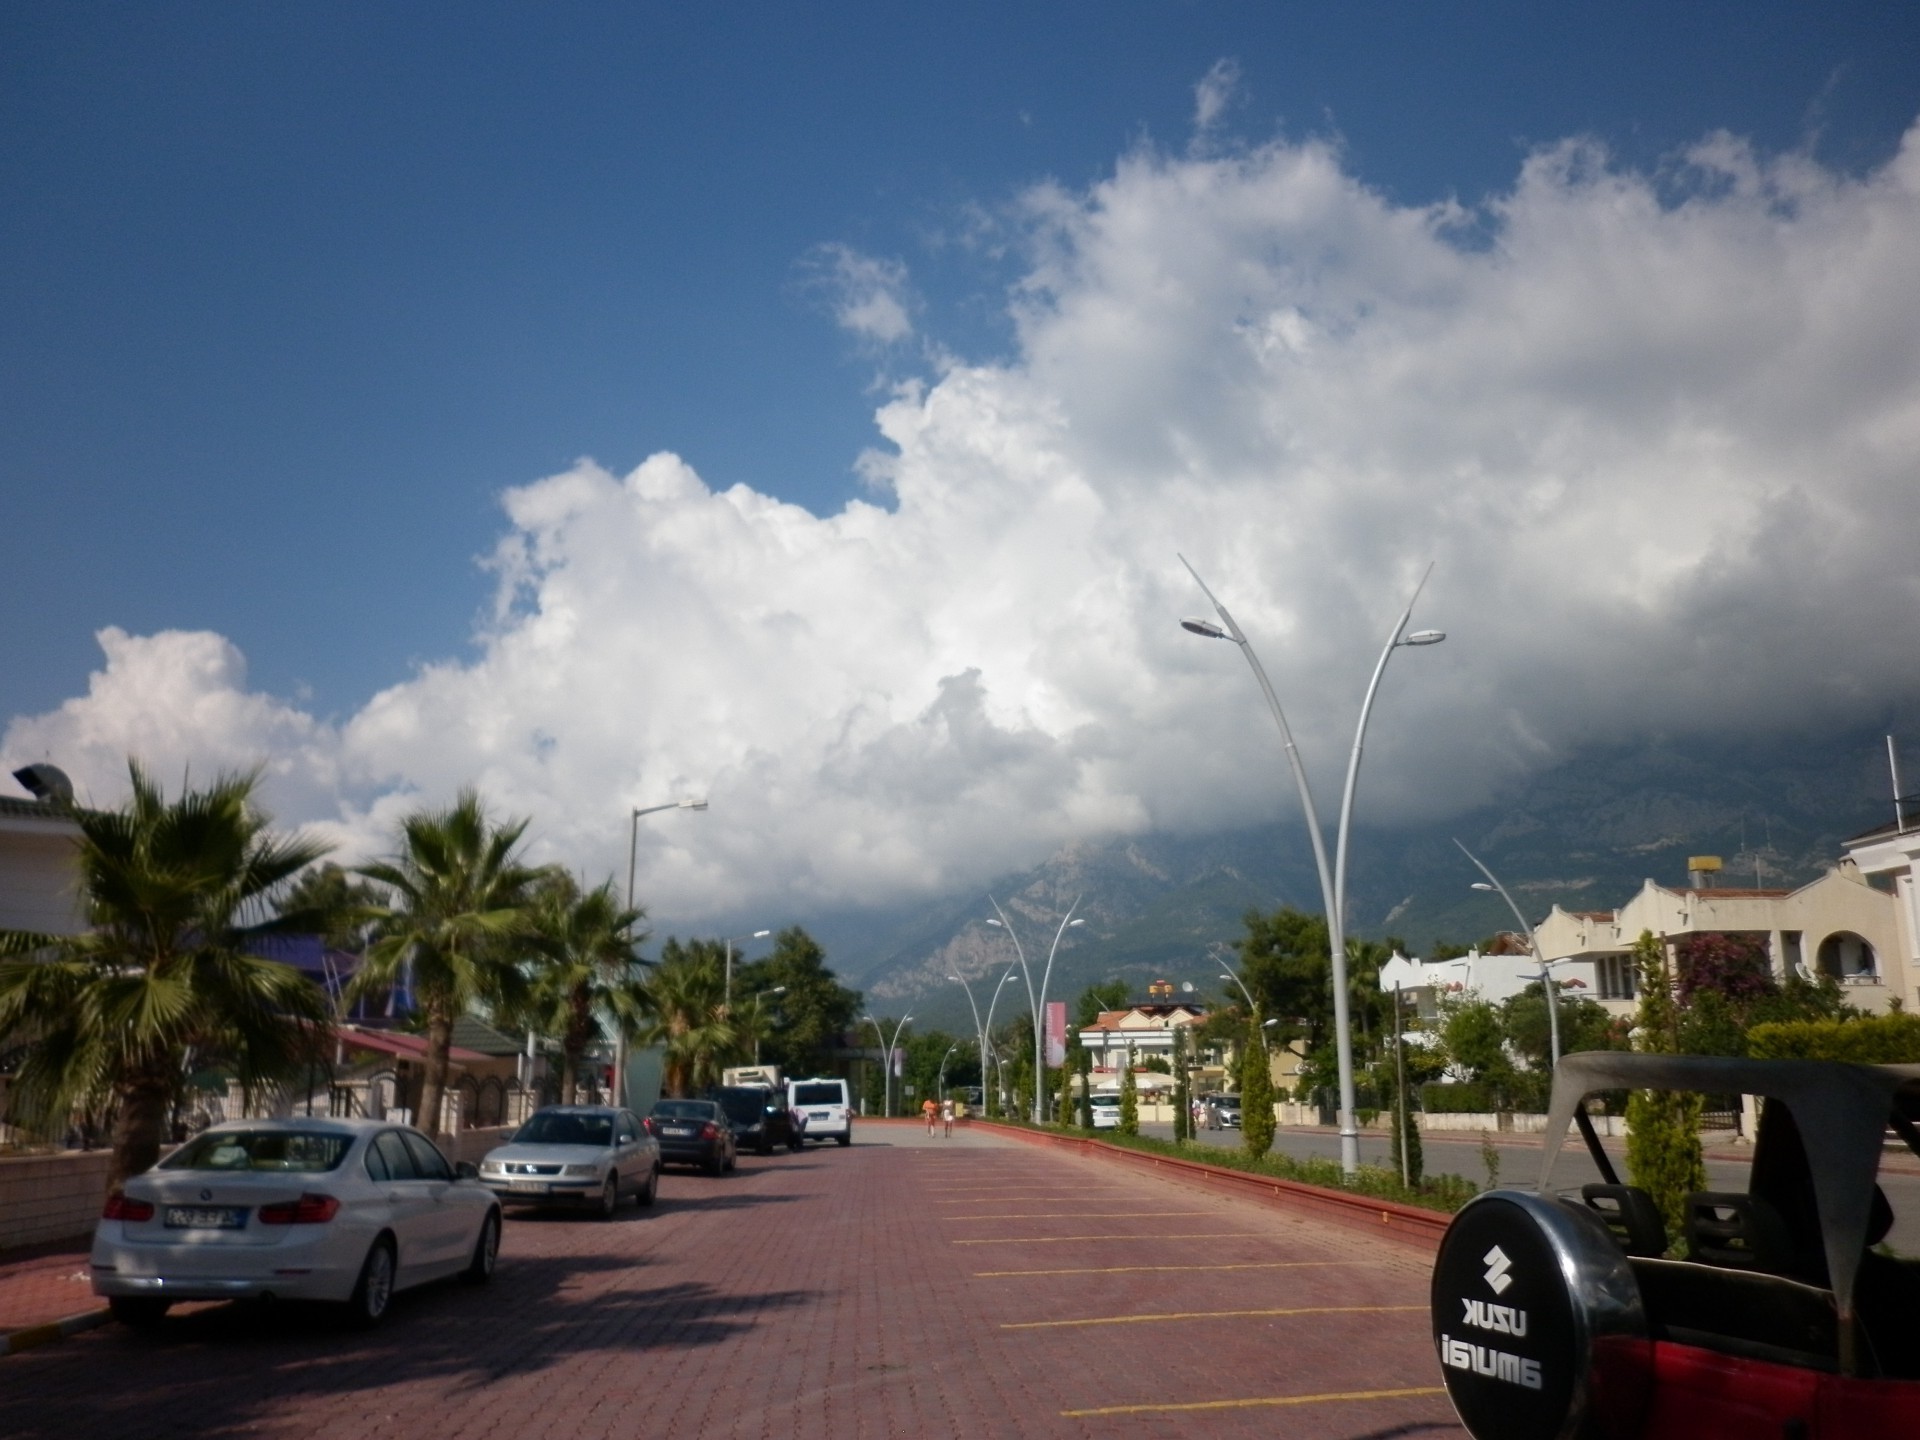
(295,294)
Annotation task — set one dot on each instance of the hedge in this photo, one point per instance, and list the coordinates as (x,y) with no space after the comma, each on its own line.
(1875,1040)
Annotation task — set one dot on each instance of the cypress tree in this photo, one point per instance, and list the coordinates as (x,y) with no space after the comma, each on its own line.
(1256,1096)
(1063,1107)
(1663,1126)
(1182,1102)
(1086,1088)
(1129,1102)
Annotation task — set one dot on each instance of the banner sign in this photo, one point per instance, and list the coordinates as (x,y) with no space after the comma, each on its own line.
(1056,1032)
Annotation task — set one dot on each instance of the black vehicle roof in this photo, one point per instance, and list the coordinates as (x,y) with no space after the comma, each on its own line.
(1842,1112)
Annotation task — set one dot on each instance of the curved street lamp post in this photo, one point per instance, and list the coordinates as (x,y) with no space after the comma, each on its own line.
(1037,999)
(727,999)
(1333,881)
(1492,882)
(758,997)
(633,855)
(886,1060)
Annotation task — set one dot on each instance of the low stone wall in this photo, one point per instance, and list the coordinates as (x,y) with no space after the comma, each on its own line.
(50,1197)
(57,1197)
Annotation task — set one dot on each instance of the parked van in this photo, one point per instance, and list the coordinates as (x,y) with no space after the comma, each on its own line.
(825,1107)
(1106,1112)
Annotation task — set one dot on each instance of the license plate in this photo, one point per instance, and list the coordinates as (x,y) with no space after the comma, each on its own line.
(819,1114)
(527,1187)
(199,1217)
(679,1130)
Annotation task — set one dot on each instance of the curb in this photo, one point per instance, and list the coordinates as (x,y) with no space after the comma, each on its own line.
(27,1337)
(1404,1223)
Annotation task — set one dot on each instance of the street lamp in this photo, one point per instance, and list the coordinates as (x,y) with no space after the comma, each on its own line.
(758,997)
(1492,882)
(731,941)
(633,853)
(1039,1000)
(943,1070)
(993,1001)
(1333,882)
(886,1060)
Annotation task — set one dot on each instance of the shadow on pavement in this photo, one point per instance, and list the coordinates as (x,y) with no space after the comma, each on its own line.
(226,1368)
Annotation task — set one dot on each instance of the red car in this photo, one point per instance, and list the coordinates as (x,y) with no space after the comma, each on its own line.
(1786,1315)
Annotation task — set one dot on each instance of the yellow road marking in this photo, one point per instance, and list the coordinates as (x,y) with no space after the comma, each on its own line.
(1209,1315)
(1327,1399)
(1131,1239)
(1086,1215)
(1130,1269)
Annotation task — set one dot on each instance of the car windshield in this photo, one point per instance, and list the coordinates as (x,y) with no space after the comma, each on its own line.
(819,1095)
(685,1109)
(745,1104)
(561,1127)
(301,1151)
(1106,1100)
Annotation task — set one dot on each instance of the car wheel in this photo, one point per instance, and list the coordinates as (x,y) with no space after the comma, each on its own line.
(650,1191)
(138,1312)
(715,1165)
(844,1139)
(373,1292)
(486,1251)
(609,1198)
(796,1143)
(766,1147)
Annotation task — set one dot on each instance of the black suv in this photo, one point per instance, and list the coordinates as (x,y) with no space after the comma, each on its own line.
(759,1116)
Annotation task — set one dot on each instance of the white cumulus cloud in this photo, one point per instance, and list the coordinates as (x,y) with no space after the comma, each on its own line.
(1660,435)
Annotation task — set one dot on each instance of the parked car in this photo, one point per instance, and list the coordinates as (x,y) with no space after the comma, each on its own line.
(824,1107)
(1561,1314)
(1106,1111)
(694,1132)
(760,1117)
(302,1209)
(576,1156)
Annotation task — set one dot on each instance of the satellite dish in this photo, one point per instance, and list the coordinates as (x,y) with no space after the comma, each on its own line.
(1187,985)
(46,782)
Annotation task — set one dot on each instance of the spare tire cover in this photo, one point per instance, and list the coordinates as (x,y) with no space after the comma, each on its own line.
(1537,1321)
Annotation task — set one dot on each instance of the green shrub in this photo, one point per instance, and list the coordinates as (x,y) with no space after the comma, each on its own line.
(1872,1040)
(1663,1126)
(1256,1098)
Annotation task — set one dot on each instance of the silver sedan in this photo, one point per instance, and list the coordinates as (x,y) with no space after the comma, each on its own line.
(303,1209)
(576,1155)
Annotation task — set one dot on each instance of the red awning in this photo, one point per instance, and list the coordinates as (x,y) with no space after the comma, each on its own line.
(398,1042)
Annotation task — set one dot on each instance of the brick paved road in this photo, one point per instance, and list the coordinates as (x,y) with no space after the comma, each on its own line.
(898,1288)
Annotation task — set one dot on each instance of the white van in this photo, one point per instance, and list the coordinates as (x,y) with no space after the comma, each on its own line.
(1106,1112)
(825,1107)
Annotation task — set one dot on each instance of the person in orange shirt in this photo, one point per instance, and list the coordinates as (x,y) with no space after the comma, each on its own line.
(931,1110)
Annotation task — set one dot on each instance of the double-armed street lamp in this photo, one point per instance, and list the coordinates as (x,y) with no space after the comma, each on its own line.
(979,1029)
(1492,883)
(1333,880)
(758,997)
(943,1070)
(731,941)
(633,855)
(1037,999)
(886,1059)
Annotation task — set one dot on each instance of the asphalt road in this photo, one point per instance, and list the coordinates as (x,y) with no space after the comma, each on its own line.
(903,1287)
(1519,1165)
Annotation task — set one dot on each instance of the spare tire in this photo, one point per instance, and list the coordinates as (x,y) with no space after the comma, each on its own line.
(1538,1322)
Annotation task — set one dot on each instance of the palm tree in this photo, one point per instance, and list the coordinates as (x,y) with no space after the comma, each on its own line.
(586,972)
(686,1015)
(459,896)
(161,981)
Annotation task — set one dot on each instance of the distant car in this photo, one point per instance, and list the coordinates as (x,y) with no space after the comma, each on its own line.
(694,1132)
(1106,1112)
(759,1116)
(304,1209)
(576,1156)
(824,1108)
(1226,1110)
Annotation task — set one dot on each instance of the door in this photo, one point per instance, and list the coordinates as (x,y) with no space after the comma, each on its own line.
(451,1224)
(410,1204)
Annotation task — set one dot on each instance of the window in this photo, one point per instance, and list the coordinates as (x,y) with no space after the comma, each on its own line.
(428,1162)
(388,1159)
(291,1151)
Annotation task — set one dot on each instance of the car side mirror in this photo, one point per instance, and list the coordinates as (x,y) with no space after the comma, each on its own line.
(466,1170)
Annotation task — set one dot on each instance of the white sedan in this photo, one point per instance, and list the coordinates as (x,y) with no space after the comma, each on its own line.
(300,1209)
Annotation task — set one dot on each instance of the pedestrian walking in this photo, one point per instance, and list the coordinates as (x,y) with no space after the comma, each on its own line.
(946,1117)
(930,1110)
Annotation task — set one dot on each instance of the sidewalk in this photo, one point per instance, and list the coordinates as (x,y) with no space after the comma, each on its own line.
(44,1294)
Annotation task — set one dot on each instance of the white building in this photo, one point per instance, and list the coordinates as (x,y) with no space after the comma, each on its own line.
(1888,853)
(1494,977)
(39,884)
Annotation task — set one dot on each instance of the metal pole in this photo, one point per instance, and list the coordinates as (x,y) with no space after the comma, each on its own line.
(1332,888)
(886,1069)
(979,1034)
(1400,1084)
(1533,949)
(1253,1008)
(1033,1005)
(992,1002)
(633,851)
(1039,1052)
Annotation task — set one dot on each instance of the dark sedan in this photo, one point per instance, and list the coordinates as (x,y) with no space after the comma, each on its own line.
(694,1132)
(761,1119)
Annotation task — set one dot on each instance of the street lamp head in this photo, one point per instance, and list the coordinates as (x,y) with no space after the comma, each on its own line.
(759,934)
(693,804)
(1225,976)
(1072,923)
(1268,1024)
(1206,628)
(1425,637)
(778,990)
(1480,885)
